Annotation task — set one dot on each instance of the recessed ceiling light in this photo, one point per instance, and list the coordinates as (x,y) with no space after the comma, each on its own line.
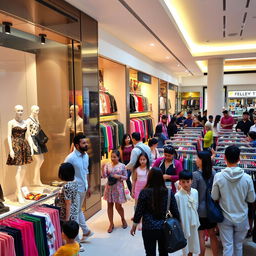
(152,44)
(178,65)
(167,57)
(186,71)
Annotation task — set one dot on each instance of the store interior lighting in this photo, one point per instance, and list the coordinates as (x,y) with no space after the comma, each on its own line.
(7,27)
(42,38)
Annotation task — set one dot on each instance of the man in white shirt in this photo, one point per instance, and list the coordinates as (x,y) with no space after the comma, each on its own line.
(253,127)
(80,161)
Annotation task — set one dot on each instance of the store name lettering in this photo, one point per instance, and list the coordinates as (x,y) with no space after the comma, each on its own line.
(241,94)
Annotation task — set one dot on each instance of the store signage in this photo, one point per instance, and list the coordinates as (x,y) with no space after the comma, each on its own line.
(145,78)
(242,94)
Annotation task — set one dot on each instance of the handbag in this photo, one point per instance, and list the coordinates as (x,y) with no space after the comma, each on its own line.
(174,236)
(214,212)
(41,137)
(111,181)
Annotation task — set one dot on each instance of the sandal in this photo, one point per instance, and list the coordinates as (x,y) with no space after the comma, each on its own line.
(124,224)
(110,229)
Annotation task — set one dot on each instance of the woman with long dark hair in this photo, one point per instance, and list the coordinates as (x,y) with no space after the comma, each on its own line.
(204,175)
(151,208)
(160,136)
(172,127)
(216,128)
(126,150)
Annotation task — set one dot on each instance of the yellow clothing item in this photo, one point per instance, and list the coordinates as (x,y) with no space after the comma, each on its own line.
(68,250)
(208,139)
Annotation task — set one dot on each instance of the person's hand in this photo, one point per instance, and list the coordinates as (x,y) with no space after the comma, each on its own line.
(117,176)
(12,155)
(35,148)
(88,193)
(133,230)
(166,176)
(239,130)
(132,194)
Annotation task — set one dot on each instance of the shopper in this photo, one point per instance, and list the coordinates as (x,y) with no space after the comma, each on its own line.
(251,112)
(67,199)
(164,122)
(151,208)
(208,137)
(172,127)
(252,139)
(152,143)
(210,119)
(180,118)
(253,127)
(216,126)
(114,189)
(199,117)
(139,148)
(80,161)
(204,118)
(70,230)
(233,188)
(170,167)
(196,122)
(205,174)
(126,150)
(227,121)
(245,124)
(187,201)
(160,136)
(189,120)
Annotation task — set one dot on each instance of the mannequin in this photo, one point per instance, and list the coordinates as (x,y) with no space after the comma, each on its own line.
(34,128)
(69,126)
(21,150)
(3,208)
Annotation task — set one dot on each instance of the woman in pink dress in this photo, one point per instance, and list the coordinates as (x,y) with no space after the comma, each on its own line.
(114,189)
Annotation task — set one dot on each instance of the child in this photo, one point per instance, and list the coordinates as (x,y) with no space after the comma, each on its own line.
(68,197)
(69,232)
(114,190)
(187,201)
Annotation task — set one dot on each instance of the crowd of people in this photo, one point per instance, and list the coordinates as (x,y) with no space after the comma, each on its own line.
(149,177)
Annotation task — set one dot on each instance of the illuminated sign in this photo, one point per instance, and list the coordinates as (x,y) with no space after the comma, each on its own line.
(242,94)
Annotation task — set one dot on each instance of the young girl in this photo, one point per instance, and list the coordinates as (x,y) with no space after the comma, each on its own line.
(126,150)
(68,197)
(114,189)
(140,175)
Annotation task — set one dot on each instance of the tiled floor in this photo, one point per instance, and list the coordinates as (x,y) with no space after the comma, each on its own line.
(120,242)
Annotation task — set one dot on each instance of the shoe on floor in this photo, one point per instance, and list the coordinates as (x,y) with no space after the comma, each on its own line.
(85,237)
(81,248)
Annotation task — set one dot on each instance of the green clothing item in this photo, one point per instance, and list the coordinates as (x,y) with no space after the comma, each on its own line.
(38,233)
(208,139)
(105,137)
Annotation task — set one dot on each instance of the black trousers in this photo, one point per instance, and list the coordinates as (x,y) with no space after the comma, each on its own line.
(151,238)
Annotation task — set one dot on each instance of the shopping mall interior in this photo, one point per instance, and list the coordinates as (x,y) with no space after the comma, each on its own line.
(107,68)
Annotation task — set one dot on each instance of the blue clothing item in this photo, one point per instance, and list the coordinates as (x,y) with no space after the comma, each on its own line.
(188,122)
(161,140)
(145,211)
(253,143)
(81,163)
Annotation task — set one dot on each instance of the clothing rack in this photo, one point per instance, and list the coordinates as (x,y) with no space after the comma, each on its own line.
(140,114)
(107,118)
(28,206)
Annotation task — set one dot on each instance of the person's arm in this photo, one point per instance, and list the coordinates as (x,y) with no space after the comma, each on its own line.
(238,127)
(215,189)
(9,138)
(174,207)
(121,154)
(157,162)
(133,159)
(195,180)
(207,137)
(68,207)
(134,179)
(67,199)
(250,198)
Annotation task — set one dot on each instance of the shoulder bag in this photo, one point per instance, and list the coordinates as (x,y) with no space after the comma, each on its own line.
(111,181)
(174,236)
(40,137)
(214,212)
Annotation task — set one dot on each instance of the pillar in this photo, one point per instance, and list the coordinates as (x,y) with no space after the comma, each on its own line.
(215,91)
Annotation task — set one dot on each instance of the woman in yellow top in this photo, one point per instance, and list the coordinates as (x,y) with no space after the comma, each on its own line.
(208,137)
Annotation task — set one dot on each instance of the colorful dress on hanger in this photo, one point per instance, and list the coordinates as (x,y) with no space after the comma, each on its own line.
(21,148)
(115,193)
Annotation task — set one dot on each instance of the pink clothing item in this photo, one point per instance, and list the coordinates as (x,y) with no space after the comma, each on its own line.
(229,120)
(141,129)
(142,176)
(6,245)
(110,137)
(178,168)
(164,129)
(115,193)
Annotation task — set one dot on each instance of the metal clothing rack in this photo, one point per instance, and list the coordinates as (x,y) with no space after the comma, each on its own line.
(27,207)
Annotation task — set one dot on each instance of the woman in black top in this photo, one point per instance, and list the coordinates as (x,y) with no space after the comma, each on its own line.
(172,127)
(151,207)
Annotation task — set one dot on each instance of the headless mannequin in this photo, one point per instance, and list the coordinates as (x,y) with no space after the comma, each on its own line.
(39,159)
(20,171)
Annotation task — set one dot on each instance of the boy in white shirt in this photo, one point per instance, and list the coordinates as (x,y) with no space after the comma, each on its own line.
(187,201)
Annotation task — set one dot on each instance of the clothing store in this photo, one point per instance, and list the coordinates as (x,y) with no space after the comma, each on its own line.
(48,50)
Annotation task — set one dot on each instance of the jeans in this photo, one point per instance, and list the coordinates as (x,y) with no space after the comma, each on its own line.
(150,238)
(232,236)
(81,217)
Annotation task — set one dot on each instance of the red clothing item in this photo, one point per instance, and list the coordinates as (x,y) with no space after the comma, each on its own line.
(140,104)
(227,120)
(127,153)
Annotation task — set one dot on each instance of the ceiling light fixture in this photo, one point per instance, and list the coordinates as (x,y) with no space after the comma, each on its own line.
(167,57)
(7,27)
(152,44)
(42,38)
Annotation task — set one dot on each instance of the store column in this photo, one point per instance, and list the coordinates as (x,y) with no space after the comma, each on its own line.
(215,93)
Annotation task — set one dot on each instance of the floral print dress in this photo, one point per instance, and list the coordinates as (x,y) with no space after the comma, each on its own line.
(115,193)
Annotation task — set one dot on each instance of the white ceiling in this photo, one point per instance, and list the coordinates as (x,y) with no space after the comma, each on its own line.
(204,20)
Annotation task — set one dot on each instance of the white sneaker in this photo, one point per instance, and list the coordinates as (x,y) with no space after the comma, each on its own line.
(85,237)
(81,248)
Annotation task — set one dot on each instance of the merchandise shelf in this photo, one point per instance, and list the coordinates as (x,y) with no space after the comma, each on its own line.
(140,114)
(107,118)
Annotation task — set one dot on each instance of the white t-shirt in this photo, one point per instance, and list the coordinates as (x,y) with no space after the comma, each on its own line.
(253,128)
